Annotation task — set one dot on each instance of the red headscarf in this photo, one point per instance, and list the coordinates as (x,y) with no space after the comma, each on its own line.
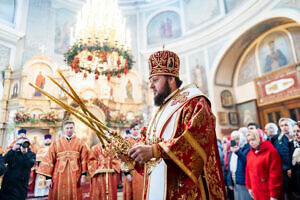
(258,134)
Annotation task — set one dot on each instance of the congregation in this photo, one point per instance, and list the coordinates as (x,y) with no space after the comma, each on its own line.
(262,164)
(256,164)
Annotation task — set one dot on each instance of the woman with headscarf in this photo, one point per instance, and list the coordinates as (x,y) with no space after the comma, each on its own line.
(264,174)
(226,152)
(237,163)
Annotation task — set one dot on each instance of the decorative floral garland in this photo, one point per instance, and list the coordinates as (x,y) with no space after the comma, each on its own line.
(71,58)
(102,106)
(22,118)
(49,118)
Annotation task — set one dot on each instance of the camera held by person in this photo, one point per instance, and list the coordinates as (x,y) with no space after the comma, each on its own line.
(22,145)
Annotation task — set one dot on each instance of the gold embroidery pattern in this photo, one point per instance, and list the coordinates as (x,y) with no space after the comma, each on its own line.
(187,135)
(213,177)
(164,63)
(180,98)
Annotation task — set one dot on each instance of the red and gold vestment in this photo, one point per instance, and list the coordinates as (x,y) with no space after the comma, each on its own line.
(133,190)
(40,188)
(188,158)
(65,162)
(104,174)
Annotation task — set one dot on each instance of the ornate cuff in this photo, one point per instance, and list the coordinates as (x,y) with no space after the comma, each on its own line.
(156,151)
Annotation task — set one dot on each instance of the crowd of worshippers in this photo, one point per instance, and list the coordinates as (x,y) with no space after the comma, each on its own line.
(256,164)
(59,169)
(261,164)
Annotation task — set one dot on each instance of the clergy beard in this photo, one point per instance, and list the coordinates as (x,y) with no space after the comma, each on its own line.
(160,97)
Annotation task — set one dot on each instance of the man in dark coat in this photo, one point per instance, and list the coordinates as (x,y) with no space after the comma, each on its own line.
(19,161)
(2,165)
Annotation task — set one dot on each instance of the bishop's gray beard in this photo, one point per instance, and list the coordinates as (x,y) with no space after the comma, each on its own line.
(160,97)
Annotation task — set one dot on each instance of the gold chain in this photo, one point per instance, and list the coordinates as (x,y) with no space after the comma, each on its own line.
(155,121)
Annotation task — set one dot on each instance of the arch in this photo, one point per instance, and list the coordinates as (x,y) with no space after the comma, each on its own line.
(35,60)
(36,110)
(35,71)
(227,63)
(287,15)
(88,93)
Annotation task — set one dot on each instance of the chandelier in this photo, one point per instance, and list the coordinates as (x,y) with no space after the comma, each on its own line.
(100,43)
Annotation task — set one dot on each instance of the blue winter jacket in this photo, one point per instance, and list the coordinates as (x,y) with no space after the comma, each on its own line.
(241,166)
(285,149)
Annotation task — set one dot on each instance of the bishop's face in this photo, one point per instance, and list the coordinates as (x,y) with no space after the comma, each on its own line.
(161,89)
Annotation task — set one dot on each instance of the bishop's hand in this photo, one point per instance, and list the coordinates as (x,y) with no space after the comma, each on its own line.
(141,153)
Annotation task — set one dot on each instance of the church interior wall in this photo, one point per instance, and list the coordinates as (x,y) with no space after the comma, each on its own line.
(243,84)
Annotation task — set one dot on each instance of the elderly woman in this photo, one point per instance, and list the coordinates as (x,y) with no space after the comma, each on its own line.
(237,163)
(296,156)
(271,129)
(283,142)
(264,176)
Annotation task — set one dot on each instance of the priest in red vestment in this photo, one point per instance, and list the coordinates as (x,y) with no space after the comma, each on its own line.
(40,188)
(104,173)
(133,184)
(65,165)
(181,141)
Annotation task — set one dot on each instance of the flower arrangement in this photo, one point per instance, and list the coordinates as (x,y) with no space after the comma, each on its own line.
(49,118)
(22,118)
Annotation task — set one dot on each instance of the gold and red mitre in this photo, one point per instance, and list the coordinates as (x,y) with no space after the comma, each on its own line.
(164,63)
